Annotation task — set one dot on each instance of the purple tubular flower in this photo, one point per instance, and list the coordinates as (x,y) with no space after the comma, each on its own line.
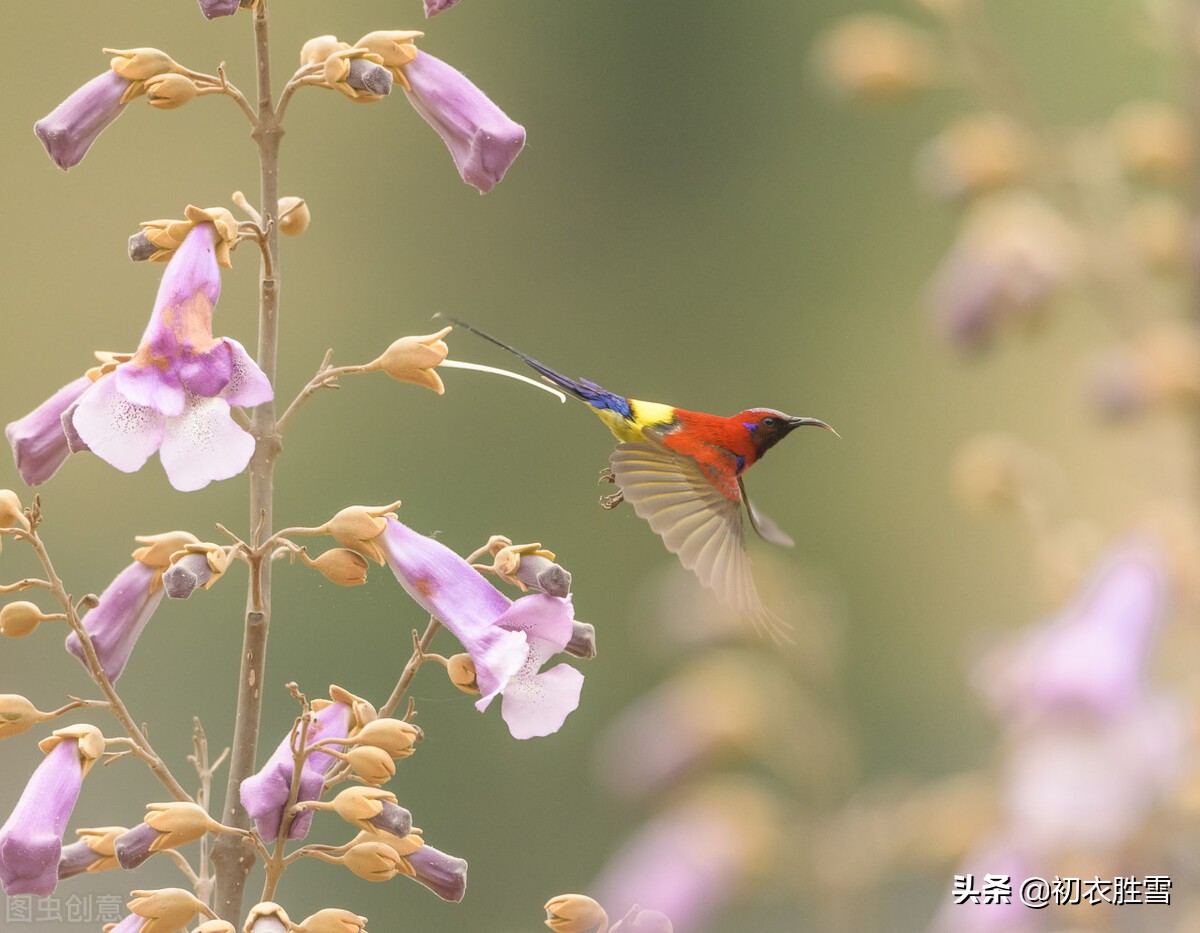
(692,859)
(39,444)
(507,641)
(1092,656)
(214,8)
(444,875)
(69,130)
(482,139)
(265,794)
(433,7)
(118,619)
(643,921)
(31,840)
(175,395)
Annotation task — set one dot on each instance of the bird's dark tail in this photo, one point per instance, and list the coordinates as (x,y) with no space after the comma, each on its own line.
(579,390)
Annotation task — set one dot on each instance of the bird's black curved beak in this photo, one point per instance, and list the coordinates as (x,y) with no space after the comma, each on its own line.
(794,423)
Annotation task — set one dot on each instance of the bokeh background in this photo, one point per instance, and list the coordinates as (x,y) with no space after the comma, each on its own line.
(699,218)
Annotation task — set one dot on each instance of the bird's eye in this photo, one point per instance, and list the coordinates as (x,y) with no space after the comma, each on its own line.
(769,422)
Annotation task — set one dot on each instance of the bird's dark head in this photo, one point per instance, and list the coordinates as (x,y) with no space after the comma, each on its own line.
(768,427)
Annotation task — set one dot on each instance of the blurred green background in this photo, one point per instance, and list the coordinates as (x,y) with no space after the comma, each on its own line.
(693,221)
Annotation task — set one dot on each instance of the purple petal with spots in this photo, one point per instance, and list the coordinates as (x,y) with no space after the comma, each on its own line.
(204,444)
(248,385)
(115,429)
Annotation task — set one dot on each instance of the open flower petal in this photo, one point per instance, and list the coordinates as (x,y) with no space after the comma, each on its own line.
(539,704)
(115,429)
(204,444)
(248,385)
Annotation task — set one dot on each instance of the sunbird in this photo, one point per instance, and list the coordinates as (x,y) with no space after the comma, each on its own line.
(682,472)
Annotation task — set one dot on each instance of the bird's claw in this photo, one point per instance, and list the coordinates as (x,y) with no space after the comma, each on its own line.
(611,502)
(606,476)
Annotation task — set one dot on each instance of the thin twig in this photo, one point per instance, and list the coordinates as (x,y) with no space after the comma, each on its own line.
(325,378)
(300,79)
(92,662)
(420,649)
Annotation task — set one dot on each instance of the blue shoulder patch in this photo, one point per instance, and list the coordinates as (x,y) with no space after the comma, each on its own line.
(599,397)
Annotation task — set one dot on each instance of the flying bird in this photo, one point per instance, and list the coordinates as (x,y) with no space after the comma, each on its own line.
(682,472)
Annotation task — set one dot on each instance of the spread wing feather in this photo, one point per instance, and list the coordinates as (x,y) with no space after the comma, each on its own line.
(695,520)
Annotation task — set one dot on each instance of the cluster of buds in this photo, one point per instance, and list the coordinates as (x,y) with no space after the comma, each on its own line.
(346,729)
(1158,368)
(165,826)
(69,130)
(481,138)
(526,566)
(159,239)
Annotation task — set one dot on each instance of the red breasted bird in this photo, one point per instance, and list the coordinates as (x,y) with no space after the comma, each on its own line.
(682,472)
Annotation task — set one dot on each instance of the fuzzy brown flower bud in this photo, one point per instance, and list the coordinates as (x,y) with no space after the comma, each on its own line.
(393,46)
(294,216)
(141,64)
(461,670)
(372,764)
(358,527)
(157,550)
(170,91)
(267,916)
(168,235)
(20,619)
(875,57)
(318,49)
(331,920)
(11,512)
(414,359)
(340,565)
(394,736)
(215,926)
(359,805)
(375,861)
(167,909)
(1153,140)
(92,852)
(17,715)
(90,742)
(975,154)
(574,913)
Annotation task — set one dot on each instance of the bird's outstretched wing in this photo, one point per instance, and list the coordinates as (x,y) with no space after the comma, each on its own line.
(695,520)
